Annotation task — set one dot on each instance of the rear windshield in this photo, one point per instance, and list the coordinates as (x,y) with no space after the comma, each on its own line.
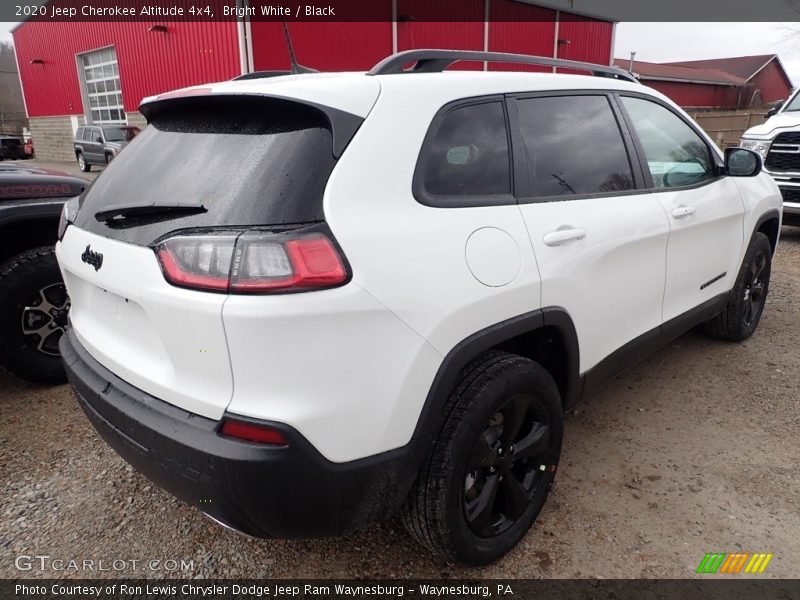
(11,142)
(248,160)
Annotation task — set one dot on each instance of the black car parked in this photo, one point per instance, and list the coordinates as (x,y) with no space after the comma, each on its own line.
(12,148)
(96,145)
(33,299)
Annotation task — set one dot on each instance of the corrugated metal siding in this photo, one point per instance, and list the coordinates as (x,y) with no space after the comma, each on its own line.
(149,62)
(324,46)
(521,29)
(584,39)
(414,32)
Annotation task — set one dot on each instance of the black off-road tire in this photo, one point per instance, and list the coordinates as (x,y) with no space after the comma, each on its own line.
(82,164)
(435,513)
(21,279)
(746,304)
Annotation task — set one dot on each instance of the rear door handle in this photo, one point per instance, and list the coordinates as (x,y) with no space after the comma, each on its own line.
(561,236)
(683,211)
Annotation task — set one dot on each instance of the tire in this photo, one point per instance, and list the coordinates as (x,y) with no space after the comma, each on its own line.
(474,463)
(746,304)
(84,166)
(32,297)
(109,158)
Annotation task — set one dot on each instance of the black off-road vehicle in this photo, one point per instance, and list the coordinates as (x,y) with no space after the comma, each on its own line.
(33,300)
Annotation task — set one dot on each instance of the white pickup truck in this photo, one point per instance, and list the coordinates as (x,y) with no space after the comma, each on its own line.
(778,143)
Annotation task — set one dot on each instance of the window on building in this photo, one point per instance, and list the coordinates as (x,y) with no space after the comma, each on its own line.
(103,92)
(573,146)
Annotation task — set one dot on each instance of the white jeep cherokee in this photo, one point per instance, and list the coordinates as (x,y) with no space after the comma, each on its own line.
(302,303)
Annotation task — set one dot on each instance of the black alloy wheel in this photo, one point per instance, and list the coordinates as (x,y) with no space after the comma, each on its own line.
(507,463)
(755,288)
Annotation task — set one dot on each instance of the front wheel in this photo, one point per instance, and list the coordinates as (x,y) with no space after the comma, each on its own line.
(33,316)
(746,304)
(492,465)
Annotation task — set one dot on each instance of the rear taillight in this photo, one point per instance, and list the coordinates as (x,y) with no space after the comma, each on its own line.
(253,262)
(253,432)
(198,261)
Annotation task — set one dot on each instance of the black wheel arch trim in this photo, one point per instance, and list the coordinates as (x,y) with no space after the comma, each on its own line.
(461,354)
(771,214)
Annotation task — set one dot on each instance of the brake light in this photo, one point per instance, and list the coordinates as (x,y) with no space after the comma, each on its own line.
(309,262)
(253,262)
(252,432)
(197,261)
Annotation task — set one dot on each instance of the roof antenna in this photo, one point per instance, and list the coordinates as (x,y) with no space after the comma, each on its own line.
(295,67)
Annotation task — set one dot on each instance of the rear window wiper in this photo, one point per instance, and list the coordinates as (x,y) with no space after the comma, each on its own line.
(122,211)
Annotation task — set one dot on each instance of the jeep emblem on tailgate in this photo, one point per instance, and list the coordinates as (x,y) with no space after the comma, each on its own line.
(92,258)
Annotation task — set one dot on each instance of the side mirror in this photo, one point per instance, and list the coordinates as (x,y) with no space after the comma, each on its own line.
(98,139)
(774,110)
(742,163)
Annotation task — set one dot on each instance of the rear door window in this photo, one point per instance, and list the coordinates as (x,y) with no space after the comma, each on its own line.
(465,159)
(573,146)
(250,161)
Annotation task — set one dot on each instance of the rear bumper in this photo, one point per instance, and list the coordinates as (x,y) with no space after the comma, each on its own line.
(263,491)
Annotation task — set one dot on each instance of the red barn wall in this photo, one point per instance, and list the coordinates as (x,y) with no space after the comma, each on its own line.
(697,95)
(149,62)
(513,27)
(589,39)
(520,29)
(335,46)
(772,83)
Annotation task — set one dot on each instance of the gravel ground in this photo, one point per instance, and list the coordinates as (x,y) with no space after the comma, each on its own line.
(693,450)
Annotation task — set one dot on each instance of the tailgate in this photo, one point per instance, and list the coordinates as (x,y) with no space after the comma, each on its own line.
(167,341)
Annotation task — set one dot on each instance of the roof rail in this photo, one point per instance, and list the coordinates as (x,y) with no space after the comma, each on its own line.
(436,61)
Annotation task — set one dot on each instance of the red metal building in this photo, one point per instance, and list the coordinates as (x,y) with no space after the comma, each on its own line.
(78,72)
(722,83)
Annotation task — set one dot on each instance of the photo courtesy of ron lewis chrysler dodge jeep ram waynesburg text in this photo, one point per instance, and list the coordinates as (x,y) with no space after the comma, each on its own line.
(302,303)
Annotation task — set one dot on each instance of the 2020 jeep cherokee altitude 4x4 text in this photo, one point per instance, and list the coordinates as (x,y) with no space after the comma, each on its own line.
(337,296)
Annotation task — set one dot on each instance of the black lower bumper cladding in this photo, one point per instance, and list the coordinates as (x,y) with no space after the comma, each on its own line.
(264,491)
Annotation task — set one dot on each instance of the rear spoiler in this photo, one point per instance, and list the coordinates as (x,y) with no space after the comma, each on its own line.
(343,124)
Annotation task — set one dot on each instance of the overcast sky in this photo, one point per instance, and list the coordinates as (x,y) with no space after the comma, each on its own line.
(663,42)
